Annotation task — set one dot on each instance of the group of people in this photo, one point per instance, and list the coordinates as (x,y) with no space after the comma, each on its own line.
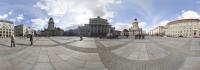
(140,36)
(12,37)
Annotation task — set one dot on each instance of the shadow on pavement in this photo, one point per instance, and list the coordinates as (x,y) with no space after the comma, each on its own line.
(5,45)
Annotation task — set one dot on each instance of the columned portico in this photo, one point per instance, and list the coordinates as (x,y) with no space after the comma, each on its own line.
(97,27)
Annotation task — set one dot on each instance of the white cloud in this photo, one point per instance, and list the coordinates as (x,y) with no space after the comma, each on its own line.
(77,12)
(4,16)
(120,26)
(39,23)
(13,20)
(20,17)
(142,24)
(53,7)
(161,23)
(189,15)
(10,13)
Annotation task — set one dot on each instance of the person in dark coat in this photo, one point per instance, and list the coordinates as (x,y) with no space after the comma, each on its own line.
(31,39)
(12,41)
(139,36)
(143,36)
(81,37)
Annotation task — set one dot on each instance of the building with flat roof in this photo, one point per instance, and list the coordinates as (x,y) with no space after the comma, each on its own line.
(6,28)
(158,31)
(183,28)
(23,30)
(97,27)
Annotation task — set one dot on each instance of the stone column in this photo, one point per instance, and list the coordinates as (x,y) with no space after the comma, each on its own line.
(104,28)
(90,30)
(5,33)
(8,32)
(97,29)
(2,32)
(101,29)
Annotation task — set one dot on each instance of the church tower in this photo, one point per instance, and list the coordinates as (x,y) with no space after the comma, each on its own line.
(51,24)
(135,25)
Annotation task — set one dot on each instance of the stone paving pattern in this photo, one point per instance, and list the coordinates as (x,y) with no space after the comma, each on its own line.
(68,53)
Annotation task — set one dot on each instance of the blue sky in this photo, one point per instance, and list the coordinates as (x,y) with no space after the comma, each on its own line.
(69,14)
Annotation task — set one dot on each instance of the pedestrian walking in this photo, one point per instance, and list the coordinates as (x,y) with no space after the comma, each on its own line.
(31,39)
(81,37)
(12,37)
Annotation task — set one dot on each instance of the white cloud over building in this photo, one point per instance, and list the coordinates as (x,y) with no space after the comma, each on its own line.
(77,12)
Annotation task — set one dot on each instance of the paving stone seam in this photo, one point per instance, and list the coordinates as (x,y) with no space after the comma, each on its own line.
(108,57)
(181,52)
(50,61)
(36,60)
(187,44)
(24,48)
(23,61)
(64,60)
(85,50)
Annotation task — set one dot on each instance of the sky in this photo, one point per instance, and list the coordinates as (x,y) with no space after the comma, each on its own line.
(68,14)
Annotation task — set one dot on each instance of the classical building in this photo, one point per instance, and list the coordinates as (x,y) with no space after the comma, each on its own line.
(158,31)
(97,27)
(183,28)
(23,30)
(51,24)
(125,32)
(6,28)
(52,30)
(118,33)
(135,30)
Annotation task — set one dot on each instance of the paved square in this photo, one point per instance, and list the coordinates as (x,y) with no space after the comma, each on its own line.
(68,53)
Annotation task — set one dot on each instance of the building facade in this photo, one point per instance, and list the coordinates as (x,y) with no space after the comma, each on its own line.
(158,31)
(97,27)
(125,32)
(52,30)
(183,28)
(23,30)
(135,30)
(6,28)
(51,24)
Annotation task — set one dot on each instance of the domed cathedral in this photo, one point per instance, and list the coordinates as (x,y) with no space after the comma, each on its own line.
(52,30)
(135,30)
(51,24)
(135,25)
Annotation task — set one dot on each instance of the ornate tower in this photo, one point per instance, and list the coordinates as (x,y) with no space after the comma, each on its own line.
(51,24)
(135,25)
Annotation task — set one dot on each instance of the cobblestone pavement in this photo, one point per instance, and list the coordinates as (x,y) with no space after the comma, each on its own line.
(68,53)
